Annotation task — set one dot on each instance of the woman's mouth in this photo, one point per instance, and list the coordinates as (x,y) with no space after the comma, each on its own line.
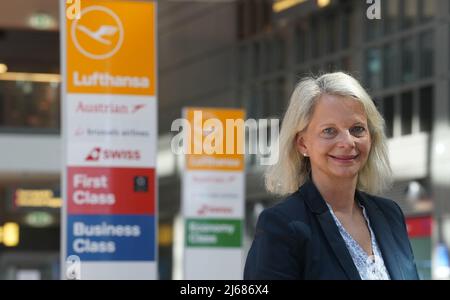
(344,158)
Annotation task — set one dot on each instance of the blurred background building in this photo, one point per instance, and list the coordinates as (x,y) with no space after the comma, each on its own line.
(233,53)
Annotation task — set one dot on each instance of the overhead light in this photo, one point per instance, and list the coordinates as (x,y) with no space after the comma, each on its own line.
(37,77)
(36,198)
(42,21)
(39,219)
(323,3)
(9,234)
(3,68)
(414,191)
(280,5)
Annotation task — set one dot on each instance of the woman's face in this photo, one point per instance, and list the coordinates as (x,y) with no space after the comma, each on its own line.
(337,139)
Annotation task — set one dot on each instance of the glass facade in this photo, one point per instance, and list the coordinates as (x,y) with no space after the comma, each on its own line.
(30,106)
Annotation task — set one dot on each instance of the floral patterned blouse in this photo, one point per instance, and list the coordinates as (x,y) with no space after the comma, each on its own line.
(369,267)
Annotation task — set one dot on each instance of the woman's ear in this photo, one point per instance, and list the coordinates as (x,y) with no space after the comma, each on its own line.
(300,144)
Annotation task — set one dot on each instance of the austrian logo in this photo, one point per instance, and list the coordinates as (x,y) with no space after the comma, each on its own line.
(108,108)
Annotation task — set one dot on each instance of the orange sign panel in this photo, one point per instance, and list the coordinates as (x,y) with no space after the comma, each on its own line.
(111,49)
(216,139)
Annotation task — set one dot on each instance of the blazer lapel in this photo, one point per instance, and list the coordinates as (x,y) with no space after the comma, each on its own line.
(383,235)
(337,243)
(318,206)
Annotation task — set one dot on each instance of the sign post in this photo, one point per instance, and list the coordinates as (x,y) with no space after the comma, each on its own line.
(213,194)
(109,120)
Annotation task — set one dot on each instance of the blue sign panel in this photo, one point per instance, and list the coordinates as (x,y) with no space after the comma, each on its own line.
(111,237)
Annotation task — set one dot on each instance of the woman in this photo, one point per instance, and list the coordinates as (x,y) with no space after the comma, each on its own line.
(332,146)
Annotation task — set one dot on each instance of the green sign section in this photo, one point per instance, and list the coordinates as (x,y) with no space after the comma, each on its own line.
(213,233)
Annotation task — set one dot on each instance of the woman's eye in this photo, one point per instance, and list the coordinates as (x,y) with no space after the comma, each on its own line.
(358,130)
(328,131)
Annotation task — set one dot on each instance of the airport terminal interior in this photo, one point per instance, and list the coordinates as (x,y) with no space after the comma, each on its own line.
(246,54)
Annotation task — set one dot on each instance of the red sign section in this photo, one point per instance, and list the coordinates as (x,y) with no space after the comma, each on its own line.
(111,190)
(419,227)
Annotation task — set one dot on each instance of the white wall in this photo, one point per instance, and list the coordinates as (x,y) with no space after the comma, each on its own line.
(408,156)
(26,153)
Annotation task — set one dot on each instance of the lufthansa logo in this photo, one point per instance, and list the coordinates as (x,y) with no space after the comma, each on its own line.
(99,33)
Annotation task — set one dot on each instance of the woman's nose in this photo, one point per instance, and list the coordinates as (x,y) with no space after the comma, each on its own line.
(346,140)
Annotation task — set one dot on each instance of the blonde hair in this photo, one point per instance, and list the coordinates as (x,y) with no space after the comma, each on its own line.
(292,169)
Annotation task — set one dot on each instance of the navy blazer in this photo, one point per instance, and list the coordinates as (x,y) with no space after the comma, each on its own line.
(298,239)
